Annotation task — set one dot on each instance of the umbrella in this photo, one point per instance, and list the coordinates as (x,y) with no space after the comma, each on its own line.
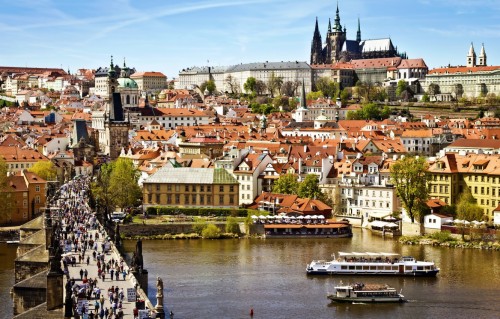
(262,217)
(286,217)
(314,217)
(307,217)
(391,225)
(458,221)
(300,217)
(321,217)
(292,217)
(254,217)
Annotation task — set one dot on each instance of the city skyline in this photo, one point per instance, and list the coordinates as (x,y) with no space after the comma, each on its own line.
(157,36)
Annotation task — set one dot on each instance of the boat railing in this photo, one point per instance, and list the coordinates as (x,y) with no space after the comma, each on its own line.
(369,260)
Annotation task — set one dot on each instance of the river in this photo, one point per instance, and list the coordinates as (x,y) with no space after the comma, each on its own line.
(226,278)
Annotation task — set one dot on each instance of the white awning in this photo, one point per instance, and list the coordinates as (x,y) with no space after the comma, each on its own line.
(379,214)
(379,223)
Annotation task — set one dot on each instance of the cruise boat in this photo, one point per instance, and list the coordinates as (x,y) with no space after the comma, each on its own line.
(362,293)
(372,264)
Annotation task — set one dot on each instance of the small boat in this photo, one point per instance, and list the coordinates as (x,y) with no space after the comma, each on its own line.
(360,292)
(372,264)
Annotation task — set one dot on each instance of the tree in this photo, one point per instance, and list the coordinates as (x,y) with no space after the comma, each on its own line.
(289,88)
(286,184)
(260,87)
(232,84)
(402,86)
(44,169)
(327,86)
(208,86)
(344,96)
(434,89)
(314,95)
(249,85)
(426,98)
(123,183)
(274,83)
(468,209)
(211,232)
(101,188)
(408,175)
(309,188)
(232,225)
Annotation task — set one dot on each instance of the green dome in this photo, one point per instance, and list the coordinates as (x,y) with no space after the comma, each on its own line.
(127,83)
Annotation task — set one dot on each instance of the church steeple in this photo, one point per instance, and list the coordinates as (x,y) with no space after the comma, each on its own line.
(471,57)
(303,102)
(337,27)
(482,56)
(111,71)
(358,34)
(316,46)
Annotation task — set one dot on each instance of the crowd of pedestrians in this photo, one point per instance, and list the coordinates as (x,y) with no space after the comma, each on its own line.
(96,276)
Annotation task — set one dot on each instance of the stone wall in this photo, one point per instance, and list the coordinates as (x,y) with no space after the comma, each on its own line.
(26,269)
(24,299)
(131,230)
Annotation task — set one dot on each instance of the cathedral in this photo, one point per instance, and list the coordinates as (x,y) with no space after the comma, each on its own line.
(338,49)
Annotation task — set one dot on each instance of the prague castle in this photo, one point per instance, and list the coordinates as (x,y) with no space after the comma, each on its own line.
(338,49)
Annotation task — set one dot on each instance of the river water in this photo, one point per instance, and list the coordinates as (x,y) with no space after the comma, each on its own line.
(226,278)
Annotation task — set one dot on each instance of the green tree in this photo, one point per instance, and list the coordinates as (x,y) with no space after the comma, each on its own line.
(274,83)
(402,86)
(286,184)
(408,175)
(232,225)
(289,88)
(199,225)
(314,95)
(250,84)
(101,188)
(211,232)
(327,86)
(44,169)
(426,98)
(344,96)
(309,188)
(123,183)
(468,209)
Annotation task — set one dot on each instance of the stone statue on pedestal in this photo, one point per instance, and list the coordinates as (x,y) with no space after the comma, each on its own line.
(159,298)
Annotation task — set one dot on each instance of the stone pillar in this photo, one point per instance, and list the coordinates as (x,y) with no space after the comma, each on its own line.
(55,287)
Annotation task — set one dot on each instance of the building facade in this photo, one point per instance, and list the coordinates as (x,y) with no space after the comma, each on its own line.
(191,187)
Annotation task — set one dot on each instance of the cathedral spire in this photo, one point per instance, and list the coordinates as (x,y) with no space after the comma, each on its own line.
(316,46)
(329,25)
(111,71)
(358,34)
(471,57)
(337,25)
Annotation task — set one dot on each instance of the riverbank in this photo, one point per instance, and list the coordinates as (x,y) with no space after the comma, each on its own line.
(451,242)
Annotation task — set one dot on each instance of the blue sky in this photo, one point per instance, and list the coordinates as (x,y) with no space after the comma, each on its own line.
(167,36)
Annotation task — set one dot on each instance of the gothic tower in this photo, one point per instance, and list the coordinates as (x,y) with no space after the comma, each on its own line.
(316,49)
(358,34)
(482,57)
(336,38)
(471,57)
(116,127)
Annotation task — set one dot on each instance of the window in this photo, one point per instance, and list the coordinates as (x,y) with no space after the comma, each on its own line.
(37,199)
(37,188)
(186,199)
(202,199)
(150,198)
(177,188)
(157,198)
(209,188)
(169,199)
(209,200)
(231,199)
(202,188)
(193,188)
(169,187)
(25,203)
(186,188)
(221,188)
(157,187)
(221,199)
(231,188)
(177,199)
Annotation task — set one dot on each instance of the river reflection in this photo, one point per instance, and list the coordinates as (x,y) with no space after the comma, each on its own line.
(226,278)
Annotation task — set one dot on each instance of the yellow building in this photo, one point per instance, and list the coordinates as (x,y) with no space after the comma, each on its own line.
(450,174)
(191,187)
(150,81)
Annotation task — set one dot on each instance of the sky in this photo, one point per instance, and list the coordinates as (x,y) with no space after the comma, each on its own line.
(168,35)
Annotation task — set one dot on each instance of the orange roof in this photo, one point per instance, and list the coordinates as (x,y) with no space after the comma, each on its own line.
(142,74)
(464,69)
(376,63)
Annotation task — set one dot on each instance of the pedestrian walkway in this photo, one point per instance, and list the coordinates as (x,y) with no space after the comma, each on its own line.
(96,278)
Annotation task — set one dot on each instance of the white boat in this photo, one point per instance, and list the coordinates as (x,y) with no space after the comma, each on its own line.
(368,263)
(360,292)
